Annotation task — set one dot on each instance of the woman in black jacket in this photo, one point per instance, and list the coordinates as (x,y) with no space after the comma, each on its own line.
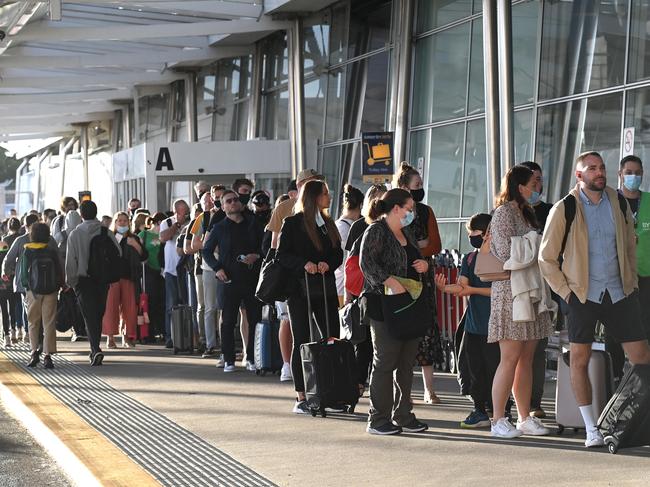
(310,242)
(388,253)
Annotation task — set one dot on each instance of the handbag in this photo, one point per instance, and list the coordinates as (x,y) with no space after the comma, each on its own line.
(353,276)
(272,284)
(407,318)
(353,328)
(488,267)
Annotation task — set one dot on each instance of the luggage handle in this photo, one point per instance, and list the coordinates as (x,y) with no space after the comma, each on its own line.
(310,313)
(144,288)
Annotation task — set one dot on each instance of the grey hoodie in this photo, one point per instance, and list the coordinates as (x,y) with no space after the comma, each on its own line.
(78,250)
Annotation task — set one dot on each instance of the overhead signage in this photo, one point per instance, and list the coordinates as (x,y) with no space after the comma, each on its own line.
(377,157)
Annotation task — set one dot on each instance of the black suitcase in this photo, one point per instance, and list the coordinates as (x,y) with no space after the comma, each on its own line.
(182,329)
(625,421)
(328,367)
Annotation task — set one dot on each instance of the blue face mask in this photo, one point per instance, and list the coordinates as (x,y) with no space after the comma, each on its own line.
(533,198)
(407,219)
(632,182)
(122,230)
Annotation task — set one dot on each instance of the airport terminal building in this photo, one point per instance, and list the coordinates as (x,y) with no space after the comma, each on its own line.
(153,96)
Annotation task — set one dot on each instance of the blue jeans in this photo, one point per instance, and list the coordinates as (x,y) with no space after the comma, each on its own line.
(171,300)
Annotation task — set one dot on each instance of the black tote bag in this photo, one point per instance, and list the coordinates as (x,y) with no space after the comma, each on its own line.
(406,318)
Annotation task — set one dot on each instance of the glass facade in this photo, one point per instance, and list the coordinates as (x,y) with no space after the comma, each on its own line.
(578,79)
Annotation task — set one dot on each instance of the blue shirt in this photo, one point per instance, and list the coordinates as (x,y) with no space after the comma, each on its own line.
(477,315)
(604,271)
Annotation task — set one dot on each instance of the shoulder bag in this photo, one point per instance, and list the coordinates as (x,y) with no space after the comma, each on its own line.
(488,267)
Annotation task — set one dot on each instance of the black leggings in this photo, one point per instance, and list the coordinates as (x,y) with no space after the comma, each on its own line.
(300,329)
(8,307)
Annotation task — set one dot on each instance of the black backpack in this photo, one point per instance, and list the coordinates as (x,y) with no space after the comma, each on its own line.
(104,261)
(42,274)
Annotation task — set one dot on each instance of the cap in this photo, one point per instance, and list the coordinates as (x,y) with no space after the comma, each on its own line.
(261,199)
(292,186)
(307,174)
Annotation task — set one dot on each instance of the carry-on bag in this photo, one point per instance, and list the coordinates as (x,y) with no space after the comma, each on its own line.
(625,421)
(182,329)
(268,357)
(567,413)
(143,309)
(328,367)
(353,328)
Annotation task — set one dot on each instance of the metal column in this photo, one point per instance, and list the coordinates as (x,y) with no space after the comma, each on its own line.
(84,152)
(506,104)
(256,93)
(405,50)
(491,84)
(296,98)
(190,108)
(136,116)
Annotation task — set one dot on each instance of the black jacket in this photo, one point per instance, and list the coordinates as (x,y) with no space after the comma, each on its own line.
(295,248)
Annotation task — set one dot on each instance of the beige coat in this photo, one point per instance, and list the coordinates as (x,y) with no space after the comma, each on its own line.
(573,276)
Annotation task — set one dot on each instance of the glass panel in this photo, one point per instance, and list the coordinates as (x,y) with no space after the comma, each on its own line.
(276,60)
(475,197)
(640,41)
(476,102)
(583,46)
(440,81)
(449,235)
(369,27)
(465,246)
(524,50)
(316,38)
(206,82)
(568,129)
(336,86)
(444,170)
(314,108)
(241,110)
(276,112)
(331,169)
(338,46)
(523,122)
(432,14)
(637,115)
(419,151)
(373,117)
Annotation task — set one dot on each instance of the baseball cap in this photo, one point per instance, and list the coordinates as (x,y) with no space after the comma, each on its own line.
(261,198)
(307,174)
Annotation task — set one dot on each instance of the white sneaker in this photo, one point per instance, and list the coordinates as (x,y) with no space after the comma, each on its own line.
(250,366)
(594,439)
(13,336)
(221,362)
(505,429)
(532,426)
(7,341)
(229,368)
(285,374)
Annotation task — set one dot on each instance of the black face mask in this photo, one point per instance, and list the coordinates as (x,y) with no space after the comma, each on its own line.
(244,198)
(476,241)
(417,194)
(217,204)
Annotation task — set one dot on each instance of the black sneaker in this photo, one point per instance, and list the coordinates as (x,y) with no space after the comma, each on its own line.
(169,344)
(415,426)
(210,352)
(98,358)
(47,362)
(34,360)
(384,429)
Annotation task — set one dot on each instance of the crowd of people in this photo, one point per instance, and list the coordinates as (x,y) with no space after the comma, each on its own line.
(584,259)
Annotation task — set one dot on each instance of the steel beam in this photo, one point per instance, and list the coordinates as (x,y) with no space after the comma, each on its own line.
(491,86)
(506,98)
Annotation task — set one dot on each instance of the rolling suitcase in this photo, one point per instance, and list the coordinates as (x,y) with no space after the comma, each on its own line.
(328,367)
(625,421)
(268,357)
(567,414)
(182,329)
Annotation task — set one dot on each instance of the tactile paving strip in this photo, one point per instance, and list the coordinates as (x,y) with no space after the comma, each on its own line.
(172,455)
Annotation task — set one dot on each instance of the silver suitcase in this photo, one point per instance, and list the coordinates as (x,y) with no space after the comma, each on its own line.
(567,414)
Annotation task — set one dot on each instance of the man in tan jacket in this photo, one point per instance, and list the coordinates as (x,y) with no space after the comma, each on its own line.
(594,271)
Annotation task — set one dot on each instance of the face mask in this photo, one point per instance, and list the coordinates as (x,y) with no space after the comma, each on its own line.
(476,241)
(217,204)
(417,194)
(122,229)
(407,219)
(244,198)
(632,182)
(533,198)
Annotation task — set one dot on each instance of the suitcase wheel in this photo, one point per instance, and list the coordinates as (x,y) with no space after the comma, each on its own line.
(612,445)
(313,413)
(350,410)
(323,413)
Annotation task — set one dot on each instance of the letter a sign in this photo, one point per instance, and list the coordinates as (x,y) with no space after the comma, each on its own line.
(164,160)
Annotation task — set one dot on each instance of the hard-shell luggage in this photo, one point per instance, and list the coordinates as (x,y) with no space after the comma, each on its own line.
(182,329)
(625,421)
(567,413)
(328,367)
(268,357)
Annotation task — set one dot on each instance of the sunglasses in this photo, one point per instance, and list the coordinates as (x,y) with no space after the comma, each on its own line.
(231,200)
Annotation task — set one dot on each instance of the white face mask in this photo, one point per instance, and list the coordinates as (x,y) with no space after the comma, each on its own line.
(319,219)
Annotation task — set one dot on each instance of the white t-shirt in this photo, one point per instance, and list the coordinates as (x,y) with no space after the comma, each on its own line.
(343,225)
(171,257)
